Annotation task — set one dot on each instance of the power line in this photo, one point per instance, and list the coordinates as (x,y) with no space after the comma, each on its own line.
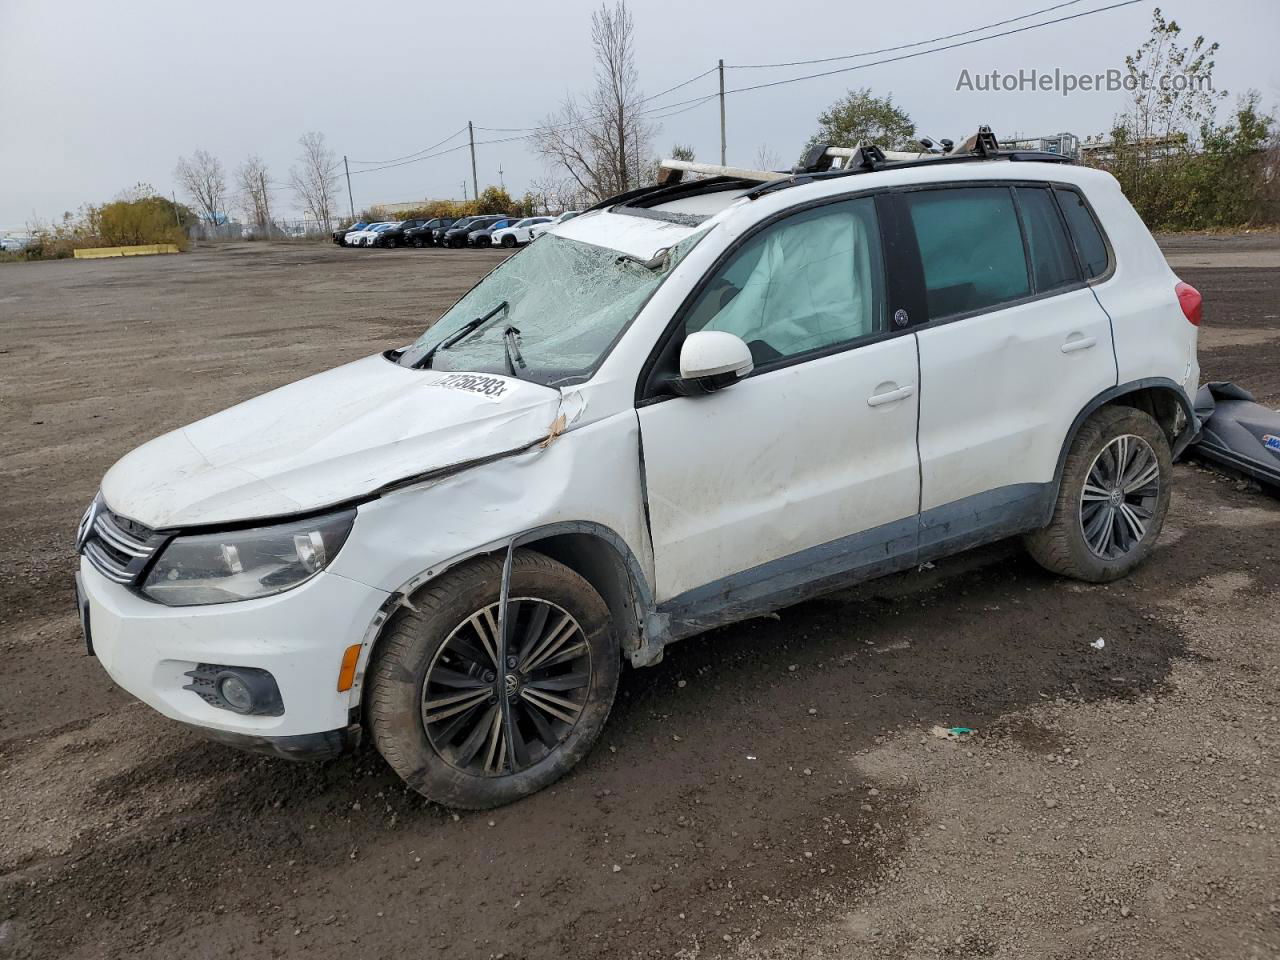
(655,96)
(904,46)
(397,159)
(402,163)
(662,111)
(922,53)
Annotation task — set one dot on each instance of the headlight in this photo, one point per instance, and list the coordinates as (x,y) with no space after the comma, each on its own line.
(222,567)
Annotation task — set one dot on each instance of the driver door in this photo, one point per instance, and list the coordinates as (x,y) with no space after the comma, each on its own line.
(807,468)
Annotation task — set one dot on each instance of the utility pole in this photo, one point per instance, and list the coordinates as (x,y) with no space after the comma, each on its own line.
(475,185)
(351,203)
(266,209)
(722,143)
(464,191)
(501,181)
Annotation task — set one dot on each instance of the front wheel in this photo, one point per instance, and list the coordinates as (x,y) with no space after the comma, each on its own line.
(470,720)
(508,241)
(390,243)
(1112,499)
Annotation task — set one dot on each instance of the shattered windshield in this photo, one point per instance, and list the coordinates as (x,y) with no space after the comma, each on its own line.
(550,313)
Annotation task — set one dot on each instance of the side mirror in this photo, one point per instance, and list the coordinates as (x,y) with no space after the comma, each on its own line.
(711,360)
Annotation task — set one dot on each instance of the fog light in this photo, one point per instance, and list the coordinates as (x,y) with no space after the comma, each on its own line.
(248,690)
(236,692)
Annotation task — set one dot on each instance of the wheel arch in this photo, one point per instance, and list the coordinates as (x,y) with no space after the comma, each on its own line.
(1162,398)
(593,550)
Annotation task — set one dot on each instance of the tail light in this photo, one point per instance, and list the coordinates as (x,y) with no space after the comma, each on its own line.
(1191,302)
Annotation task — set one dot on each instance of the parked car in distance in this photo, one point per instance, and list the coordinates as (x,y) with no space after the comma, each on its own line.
(458,234)
(340,236)
(423,236)
(482,237)
(366,238)
(517,234)
(356,238)
(457,543)
(542,228)
(16,242)
(394,235)
(438,234)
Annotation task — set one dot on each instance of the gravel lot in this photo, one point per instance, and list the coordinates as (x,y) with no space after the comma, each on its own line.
(770,790)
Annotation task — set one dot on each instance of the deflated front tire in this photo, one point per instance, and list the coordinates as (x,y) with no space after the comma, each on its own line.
(470,720)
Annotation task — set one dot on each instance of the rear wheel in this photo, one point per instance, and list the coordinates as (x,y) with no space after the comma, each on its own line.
(471,720)
(1112,500)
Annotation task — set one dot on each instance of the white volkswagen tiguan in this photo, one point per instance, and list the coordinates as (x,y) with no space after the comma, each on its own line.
(688,406)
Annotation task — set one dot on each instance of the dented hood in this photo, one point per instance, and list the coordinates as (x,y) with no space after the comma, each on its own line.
(332,437)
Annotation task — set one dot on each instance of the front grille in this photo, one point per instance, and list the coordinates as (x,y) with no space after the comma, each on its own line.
(118,548)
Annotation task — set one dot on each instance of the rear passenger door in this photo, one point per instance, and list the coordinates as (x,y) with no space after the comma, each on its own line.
(1013,346)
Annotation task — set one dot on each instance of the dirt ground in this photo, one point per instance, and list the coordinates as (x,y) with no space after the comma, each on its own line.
(770,790)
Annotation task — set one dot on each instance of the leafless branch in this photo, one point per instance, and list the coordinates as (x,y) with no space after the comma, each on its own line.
(203,179)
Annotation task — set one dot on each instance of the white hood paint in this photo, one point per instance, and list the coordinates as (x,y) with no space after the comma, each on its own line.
(322,440)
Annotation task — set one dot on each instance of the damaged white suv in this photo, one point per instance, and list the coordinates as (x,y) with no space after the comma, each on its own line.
(693,404)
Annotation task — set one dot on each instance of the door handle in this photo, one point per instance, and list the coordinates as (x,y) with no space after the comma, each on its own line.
(1077,342)
(900,394)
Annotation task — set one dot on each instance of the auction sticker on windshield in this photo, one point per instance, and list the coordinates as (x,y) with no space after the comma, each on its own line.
(491,388)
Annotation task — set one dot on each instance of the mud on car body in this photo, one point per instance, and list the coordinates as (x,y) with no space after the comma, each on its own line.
(690,405)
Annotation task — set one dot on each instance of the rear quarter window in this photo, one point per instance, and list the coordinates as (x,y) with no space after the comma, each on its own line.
(1091,248)
(1053,265)
(970,248)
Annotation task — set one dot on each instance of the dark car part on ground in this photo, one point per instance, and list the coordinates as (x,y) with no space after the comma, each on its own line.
(1238,433)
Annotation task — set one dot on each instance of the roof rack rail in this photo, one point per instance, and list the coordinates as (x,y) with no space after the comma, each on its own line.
(820,161)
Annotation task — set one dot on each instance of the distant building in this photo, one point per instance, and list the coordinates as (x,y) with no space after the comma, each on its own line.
(405,207)
(1065,144)
(1146,148)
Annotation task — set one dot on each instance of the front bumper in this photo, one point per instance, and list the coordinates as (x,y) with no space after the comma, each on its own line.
(305,746)
(298,636)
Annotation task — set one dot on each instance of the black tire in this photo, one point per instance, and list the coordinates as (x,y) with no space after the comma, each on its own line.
(1122,519)
(390,243)
(508,241)
(433,649)
(417,242)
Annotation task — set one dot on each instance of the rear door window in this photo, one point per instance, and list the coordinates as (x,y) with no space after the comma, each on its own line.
(1053,265)
(1090,246)
(970,248)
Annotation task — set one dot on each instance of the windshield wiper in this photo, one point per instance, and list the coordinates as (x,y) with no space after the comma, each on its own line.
(510,343)
(468,328)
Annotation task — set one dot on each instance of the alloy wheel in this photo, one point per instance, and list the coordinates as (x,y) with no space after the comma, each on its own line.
(493,707)
(1119,496)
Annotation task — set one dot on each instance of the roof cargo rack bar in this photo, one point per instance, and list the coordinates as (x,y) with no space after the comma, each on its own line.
(671,171)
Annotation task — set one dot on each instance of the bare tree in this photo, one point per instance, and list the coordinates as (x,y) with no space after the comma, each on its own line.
(603,143)
(767,158)
(205,182)
(314,180)
(253,184)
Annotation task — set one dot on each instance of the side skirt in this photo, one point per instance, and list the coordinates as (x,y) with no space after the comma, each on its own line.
(882,550)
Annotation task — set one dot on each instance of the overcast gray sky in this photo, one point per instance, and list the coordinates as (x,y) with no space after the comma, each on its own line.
(96,96)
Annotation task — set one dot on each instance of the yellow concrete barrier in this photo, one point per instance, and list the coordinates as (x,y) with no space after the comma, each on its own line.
(144,250)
